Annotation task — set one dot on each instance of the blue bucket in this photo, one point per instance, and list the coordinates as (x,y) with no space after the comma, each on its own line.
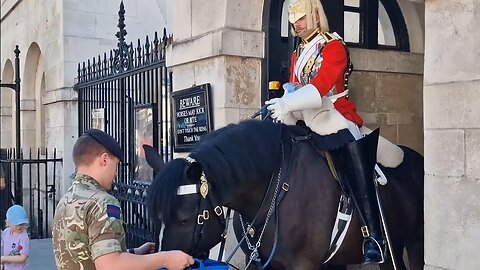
(207,264)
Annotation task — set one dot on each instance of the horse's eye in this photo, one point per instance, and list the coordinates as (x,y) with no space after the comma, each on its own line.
(184,222)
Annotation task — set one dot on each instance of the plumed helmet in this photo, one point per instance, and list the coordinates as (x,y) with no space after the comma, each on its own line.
(311,9)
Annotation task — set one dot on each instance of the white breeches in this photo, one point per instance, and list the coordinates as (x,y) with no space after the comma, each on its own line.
(354,130)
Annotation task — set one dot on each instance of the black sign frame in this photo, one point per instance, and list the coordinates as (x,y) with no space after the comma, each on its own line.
(202,92)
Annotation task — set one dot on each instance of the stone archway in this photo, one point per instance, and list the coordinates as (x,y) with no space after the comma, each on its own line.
(30,98)
(278,43)
(6,100)
(40,123)
(413,13)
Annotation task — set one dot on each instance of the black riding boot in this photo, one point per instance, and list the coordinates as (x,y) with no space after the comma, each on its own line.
(355,166)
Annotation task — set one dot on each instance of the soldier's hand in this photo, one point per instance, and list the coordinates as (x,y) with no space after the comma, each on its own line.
(146,248)
(177,260)
(278,107)
(2,183)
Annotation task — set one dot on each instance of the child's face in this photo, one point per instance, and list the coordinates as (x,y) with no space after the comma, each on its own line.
(16,228)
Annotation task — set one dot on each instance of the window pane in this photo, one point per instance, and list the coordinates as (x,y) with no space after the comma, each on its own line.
(285,25)
(352,3)
(386,36)
(352,27)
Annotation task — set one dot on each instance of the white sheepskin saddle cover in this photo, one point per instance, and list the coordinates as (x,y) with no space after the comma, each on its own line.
(327,120)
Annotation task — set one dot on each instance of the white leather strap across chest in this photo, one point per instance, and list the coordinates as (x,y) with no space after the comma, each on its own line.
(307,53)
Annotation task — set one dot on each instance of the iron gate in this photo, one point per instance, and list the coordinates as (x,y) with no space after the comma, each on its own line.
(126,93)
(39,170)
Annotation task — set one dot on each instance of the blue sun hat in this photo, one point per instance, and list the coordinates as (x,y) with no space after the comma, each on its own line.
(16,215)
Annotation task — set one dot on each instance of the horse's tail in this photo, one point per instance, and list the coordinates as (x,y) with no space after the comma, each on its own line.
(415,243)
(417,174)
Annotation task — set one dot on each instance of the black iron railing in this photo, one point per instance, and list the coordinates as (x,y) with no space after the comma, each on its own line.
(126,93)
(39,170)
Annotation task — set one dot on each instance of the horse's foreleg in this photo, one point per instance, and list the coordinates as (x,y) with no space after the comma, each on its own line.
(334,267)
(398,260)
(415,254)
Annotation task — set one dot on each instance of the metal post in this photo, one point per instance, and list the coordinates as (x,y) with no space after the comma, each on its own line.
(16,87)
(18,177)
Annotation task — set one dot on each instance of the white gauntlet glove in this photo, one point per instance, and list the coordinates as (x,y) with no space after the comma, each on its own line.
(305,98)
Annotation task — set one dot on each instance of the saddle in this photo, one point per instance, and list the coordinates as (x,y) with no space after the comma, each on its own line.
(389,154)
(301,132)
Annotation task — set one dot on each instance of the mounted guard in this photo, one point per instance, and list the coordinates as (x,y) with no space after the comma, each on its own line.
(317,93)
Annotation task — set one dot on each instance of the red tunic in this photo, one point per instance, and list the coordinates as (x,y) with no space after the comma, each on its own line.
(329,74)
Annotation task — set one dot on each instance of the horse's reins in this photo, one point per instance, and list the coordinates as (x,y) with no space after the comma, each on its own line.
(273,208)
(254,219)
(261,111)
(283,173)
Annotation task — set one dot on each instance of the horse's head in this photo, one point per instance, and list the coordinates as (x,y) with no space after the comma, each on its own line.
(179,197)
(235,162)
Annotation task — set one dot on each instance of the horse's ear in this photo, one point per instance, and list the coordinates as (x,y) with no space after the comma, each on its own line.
(154,159)
(194,171)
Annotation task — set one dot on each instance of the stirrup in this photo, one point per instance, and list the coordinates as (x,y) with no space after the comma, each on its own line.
(380,249)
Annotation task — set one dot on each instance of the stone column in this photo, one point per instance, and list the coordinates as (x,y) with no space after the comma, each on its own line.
(6,125)
(61,125)
(452,134)
(222,43)
(28,125)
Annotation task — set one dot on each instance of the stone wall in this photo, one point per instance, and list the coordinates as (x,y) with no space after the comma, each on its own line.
(389,94)
(224,49)
(452,145)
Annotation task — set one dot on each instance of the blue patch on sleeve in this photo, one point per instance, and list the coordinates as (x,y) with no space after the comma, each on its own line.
(113,211)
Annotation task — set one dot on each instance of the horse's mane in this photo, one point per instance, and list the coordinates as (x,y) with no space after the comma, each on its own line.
(230,156)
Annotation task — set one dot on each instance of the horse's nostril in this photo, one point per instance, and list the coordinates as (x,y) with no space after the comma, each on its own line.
(202,256)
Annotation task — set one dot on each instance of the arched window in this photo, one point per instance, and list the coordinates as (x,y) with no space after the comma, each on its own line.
(375,24)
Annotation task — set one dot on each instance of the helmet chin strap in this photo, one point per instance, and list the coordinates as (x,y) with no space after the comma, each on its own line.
(311,35)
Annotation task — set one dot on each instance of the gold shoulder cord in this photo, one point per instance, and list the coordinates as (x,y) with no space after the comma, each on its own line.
(328,37)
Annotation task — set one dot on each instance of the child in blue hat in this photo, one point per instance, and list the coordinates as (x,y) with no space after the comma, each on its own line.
(15,241)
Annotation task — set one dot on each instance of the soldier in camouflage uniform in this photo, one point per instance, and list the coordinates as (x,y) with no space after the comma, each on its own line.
(88,228)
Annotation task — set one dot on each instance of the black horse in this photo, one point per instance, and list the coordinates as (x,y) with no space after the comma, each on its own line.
(256,169)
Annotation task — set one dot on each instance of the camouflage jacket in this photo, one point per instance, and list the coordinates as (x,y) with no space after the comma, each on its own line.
(87,224)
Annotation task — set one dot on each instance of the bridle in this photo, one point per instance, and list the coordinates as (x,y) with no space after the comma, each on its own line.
(207,202)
